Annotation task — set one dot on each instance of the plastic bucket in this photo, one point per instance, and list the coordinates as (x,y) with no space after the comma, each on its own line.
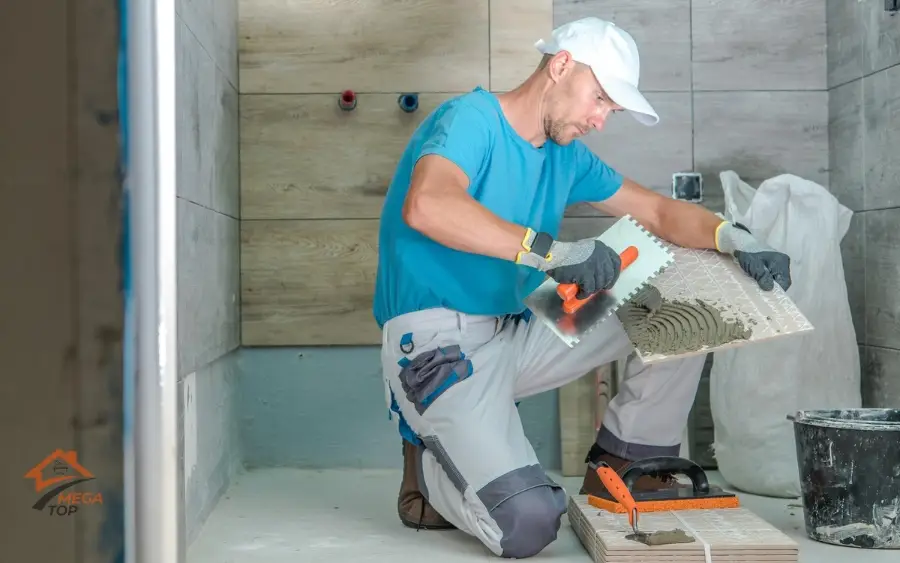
(849,463)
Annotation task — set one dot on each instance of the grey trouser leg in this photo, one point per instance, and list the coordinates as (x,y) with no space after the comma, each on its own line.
(456,379)
(648,414)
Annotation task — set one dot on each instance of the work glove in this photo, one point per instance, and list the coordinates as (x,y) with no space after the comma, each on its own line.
(760,261)
(588,263)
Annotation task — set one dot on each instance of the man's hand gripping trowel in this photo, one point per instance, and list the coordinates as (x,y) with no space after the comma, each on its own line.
(643,258)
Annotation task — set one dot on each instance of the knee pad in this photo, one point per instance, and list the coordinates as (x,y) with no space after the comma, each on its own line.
(528,509)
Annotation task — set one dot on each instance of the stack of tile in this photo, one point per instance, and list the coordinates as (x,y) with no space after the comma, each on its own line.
(728,534)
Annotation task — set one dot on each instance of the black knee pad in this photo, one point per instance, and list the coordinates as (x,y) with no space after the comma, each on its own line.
(527,507)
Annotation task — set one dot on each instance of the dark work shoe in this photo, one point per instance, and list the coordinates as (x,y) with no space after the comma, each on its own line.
(414,510)
(592,484)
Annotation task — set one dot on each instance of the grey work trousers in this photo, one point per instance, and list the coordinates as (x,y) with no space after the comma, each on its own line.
(456,378)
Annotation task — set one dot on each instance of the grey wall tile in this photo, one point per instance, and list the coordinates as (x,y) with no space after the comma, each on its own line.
(881,378)
(218,453)
(758,45)
(226,23)
(225,142)
(661,29)
(881,95)
(208,285)
(195,79)
(844,23)
(853,248)
(881,36)
(649,155)
(845,144)
(760,135)
(883,278)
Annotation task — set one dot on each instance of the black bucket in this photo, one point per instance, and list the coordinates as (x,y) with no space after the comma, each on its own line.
(849,462)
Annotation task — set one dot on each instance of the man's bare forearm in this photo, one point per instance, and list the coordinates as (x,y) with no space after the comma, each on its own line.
(455,219)
(688,225)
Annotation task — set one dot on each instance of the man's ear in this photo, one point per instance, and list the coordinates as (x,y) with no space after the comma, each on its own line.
(561,65)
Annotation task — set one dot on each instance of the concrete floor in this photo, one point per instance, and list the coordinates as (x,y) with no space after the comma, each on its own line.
(292,515)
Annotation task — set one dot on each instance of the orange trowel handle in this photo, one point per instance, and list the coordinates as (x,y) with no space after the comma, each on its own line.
(618,490)
(568,291)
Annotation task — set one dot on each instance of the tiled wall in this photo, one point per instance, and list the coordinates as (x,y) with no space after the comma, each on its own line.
(738,85)
(208,252)
(864,127)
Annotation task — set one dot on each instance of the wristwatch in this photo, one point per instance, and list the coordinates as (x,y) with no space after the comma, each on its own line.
(536,243)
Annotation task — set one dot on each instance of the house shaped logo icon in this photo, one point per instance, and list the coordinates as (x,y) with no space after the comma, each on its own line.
(57,472)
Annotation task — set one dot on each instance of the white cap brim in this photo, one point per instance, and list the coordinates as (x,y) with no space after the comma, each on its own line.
(630,98)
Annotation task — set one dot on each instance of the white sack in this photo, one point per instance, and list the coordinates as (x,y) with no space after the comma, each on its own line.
(753,388)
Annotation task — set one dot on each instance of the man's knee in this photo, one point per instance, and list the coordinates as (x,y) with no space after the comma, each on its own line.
(527,507)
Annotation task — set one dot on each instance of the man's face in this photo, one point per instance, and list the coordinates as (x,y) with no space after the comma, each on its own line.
(576,104)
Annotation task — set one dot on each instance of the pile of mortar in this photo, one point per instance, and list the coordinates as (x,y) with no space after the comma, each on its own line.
(657,325)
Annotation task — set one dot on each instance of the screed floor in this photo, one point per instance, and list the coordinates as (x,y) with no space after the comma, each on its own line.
(292,515)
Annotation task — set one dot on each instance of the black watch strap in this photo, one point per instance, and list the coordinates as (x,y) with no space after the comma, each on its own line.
(541,244)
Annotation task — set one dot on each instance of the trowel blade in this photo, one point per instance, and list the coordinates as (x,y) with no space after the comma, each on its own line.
(652,259)
(665,537)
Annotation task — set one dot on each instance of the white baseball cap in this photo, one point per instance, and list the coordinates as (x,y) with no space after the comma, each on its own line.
(612,54)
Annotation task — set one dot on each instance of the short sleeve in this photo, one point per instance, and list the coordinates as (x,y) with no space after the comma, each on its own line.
(460,133)
(594,180)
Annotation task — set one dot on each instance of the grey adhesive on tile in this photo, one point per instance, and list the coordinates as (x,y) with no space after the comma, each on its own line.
(678,326)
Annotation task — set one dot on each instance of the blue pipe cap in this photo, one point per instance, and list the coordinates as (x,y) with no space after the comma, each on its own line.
(408,102)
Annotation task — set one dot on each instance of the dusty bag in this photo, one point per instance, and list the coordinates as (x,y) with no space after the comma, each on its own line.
(754,388)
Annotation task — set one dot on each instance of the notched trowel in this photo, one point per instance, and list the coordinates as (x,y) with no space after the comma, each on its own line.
(643,258)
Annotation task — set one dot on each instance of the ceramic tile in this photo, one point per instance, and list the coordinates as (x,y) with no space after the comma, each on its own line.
(845,145)
(660,28)
(208,285)
(881,36)
(881,377)
(853,248)
(845,40)
(881,95)
(882,278)
(649,155)
(758,45)
(716,279)
(759,135)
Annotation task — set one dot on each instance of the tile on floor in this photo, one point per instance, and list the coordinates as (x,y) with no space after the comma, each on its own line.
(285,515)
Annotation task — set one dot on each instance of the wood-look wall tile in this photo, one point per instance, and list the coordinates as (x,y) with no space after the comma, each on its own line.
(312,46)
(303,157)
(515,26)
(661,29)
(309,283)
(759,45)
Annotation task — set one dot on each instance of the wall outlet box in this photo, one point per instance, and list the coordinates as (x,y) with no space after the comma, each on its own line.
(687,186)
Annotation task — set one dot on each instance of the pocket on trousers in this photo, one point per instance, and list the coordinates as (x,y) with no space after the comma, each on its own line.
(428,375)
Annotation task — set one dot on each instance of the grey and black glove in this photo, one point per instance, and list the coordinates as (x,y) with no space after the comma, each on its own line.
(760,261)
(588,263)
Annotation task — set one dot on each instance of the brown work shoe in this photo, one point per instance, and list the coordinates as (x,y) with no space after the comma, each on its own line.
(414,510)
(592,484)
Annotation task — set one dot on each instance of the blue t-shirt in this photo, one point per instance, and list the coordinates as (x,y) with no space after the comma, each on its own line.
(520,183)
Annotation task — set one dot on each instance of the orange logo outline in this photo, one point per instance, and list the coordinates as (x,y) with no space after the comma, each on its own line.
(70,458)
